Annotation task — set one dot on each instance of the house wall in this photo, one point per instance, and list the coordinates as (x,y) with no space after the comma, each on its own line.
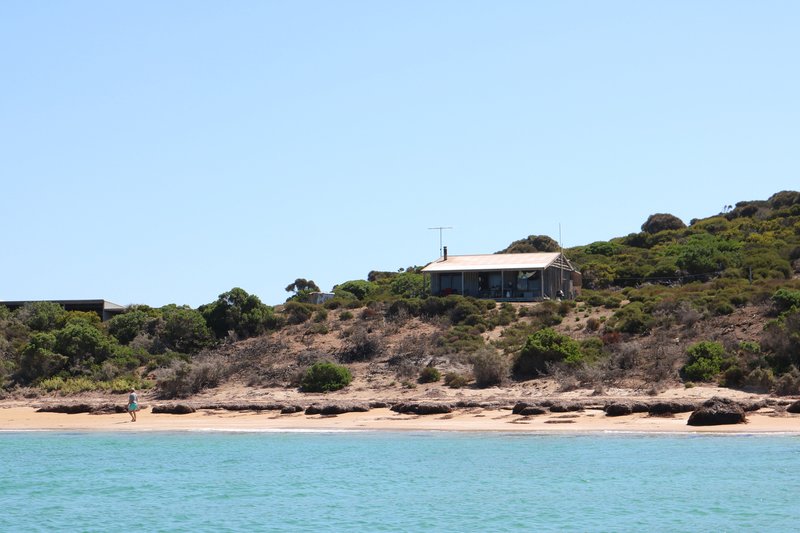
(468,284)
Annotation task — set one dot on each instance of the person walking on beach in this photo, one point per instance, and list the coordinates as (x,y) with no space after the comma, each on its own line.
(133,404)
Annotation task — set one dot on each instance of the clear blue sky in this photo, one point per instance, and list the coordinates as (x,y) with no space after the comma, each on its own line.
(165,152)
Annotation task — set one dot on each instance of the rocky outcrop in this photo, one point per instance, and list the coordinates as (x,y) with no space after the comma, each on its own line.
(336,408)
(718,411)
(243,406)
(794,408)
(566,407)
(751,407)
(68,408)
(625,408)
(424,408)
(173,409)
(291,409)
(670,408)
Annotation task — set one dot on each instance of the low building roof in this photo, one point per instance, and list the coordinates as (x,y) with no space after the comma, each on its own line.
(104,303)
(466,263)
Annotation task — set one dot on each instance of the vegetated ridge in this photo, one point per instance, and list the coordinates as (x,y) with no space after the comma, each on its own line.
(715,301)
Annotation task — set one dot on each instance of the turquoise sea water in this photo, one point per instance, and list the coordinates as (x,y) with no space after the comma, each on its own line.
(394,481)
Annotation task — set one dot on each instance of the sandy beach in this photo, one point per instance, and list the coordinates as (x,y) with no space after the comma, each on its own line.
(494,420)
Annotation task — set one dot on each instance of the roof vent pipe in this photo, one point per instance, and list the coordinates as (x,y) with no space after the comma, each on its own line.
(445,253)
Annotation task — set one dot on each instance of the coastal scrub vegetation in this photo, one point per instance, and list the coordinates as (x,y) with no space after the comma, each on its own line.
(715,300)
(325,376)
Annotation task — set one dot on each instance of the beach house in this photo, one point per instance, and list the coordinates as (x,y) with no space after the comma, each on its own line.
(504,277)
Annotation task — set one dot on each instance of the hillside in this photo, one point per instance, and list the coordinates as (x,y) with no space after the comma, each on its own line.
(716,301)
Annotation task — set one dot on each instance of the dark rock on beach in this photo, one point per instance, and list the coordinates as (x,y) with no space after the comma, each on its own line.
(424,408)
(68,408)
(625,408)
(566,407)
(751,407)
(532,410)
(109,408)
(291,409)
(671,408)
(718,411)
(173,409)
(794,408)
(242,406)
(337,408)
(525,408)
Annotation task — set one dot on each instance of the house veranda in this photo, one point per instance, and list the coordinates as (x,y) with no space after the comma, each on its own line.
(504,277)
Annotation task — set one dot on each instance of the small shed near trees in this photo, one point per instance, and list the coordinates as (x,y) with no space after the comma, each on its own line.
(504,277)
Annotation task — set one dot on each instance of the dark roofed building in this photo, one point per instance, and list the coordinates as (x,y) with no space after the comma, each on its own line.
(104,309)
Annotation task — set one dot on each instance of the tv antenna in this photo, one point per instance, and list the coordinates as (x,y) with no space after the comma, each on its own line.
(441,228)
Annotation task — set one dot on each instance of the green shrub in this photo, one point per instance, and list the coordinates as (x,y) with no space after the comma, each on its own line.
(789,383)
(733,377)
(721,308)
(631,319)
(408,285)
(463,339)
(69,385)
(297,312)
(359,288)
(321,315)
(543,347)
(706,360)
(346,315)
(454,380)
(785,299)
(325,376)
(760,380)
(466,312)
(408,306)
(429,374)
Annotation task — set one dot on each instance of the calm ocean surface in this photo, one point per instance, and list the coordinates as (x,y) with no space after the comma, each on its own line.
(393,481)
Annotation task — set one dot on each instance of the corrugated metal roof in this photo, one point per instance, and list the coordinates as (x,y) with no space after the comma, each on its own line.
(466,263)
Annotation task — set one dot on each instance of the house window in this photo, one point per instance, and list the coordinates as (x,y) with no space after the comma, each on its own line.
(528,281)
(450,282)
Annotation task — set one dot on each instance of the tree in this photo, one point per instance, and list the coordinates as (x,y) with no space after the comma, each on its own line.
(301,288)
(42,316)
(661,222)
(239,312)
(39,360)
(127,326)
(183,329)
(82,344)
(532,244)
(408,285)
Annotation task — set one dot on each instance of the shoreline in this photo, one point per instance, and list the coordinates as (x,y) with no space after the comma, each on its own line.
(590,421)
